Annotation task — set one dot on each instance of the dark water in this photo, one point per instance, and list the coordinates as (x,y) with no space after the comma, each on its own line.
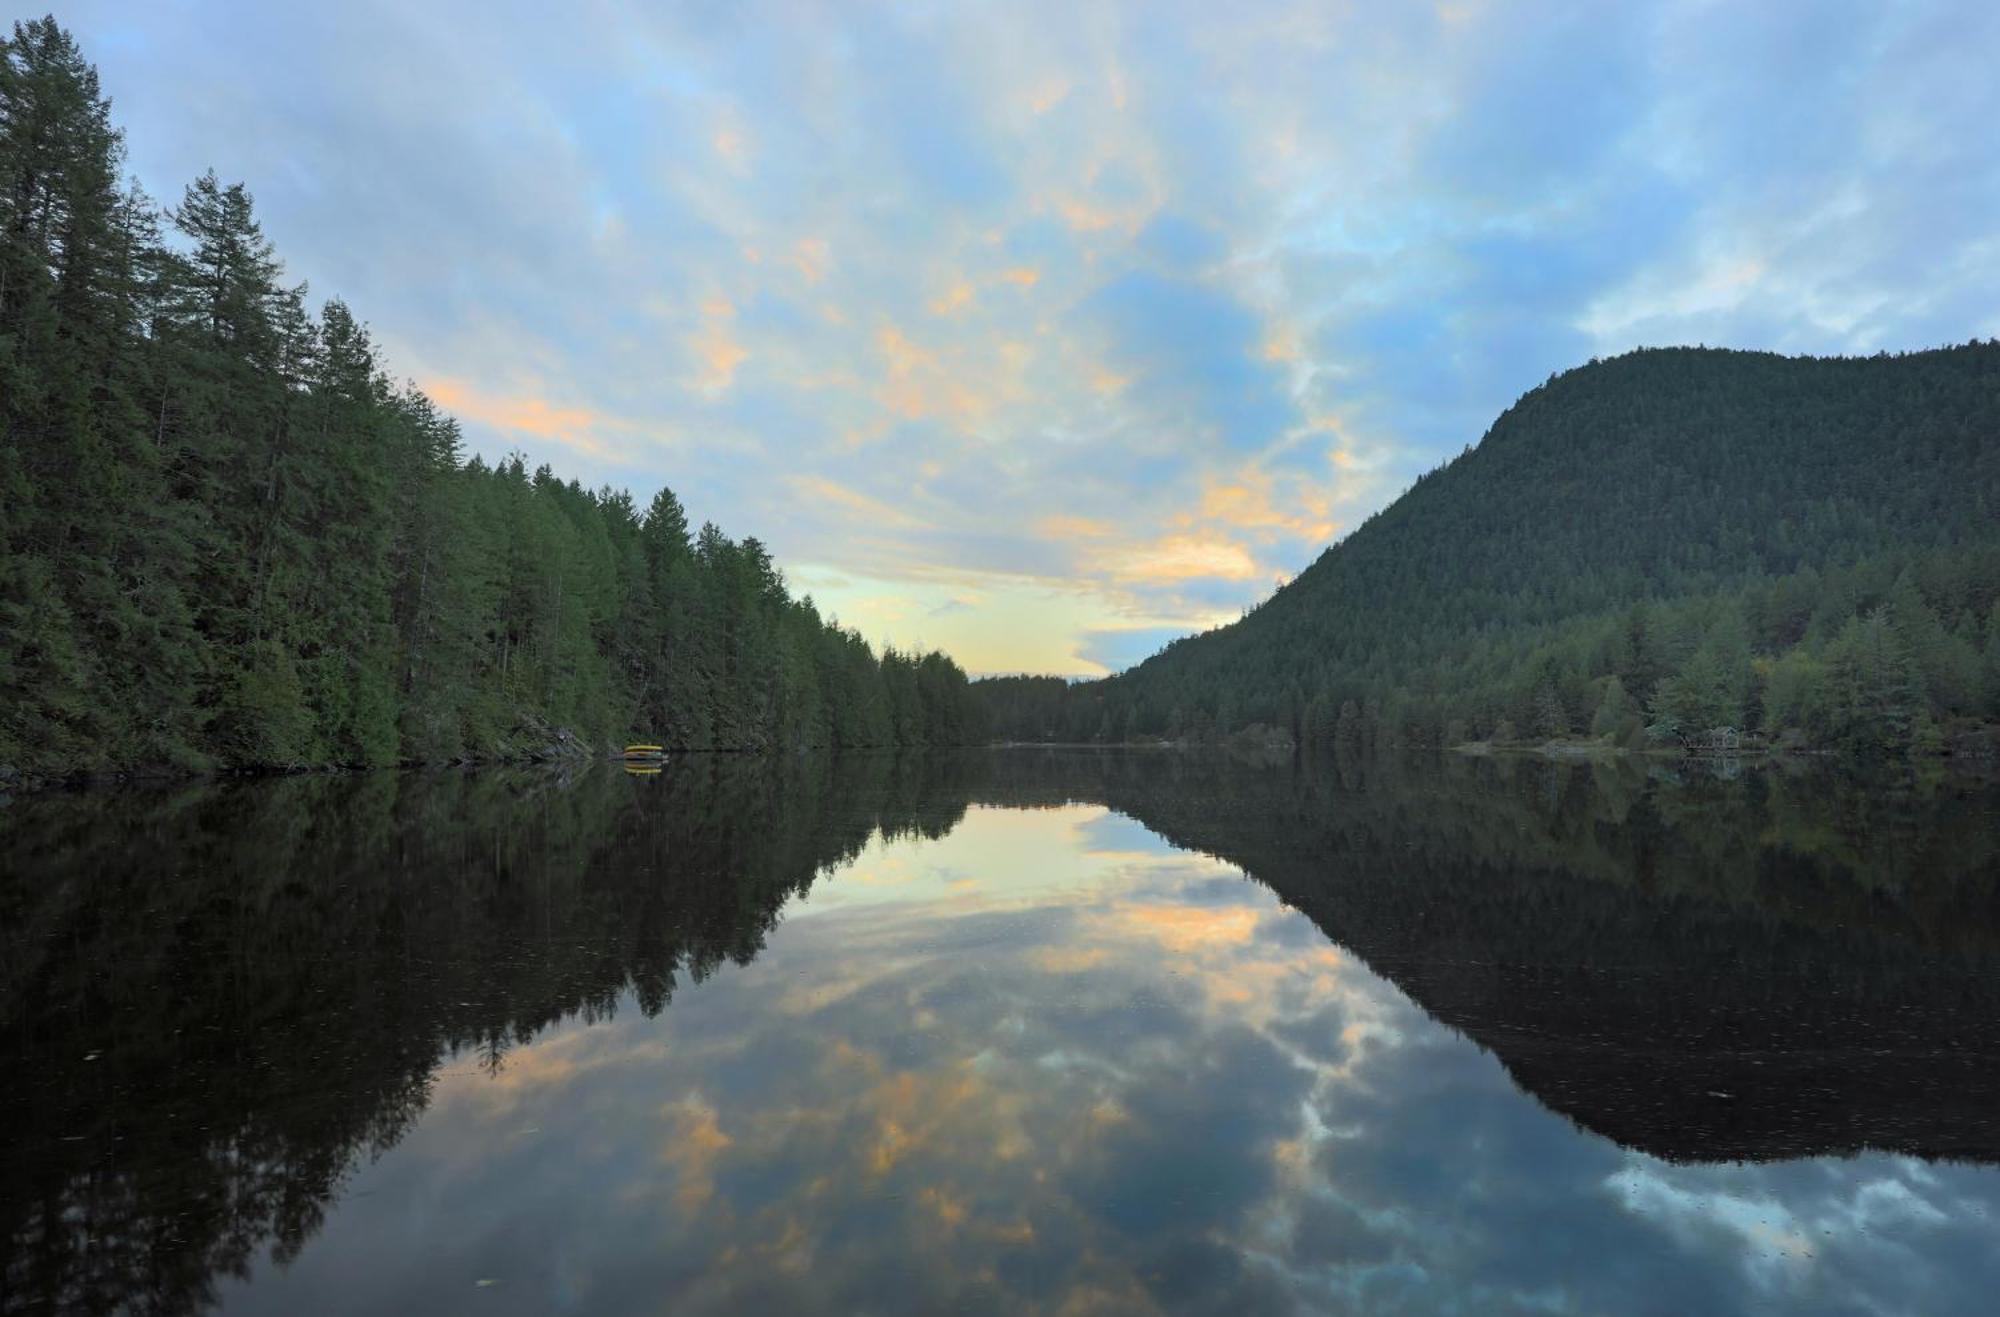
(1013,1032)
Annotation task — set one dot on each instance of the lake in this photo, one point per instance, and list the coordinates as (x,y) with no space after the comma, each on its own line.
(1009,1031)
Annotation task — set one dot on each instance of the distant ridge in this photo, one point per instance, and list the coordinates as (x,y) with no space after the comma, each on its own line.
(1681,538)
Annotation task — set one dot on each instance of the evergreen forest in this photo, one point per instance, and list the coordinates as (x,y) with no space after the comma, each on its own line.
(1686,548)
(228,539)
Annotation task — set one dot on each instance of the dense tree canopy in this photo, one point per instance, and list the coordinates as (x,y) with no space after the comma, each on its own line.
(1673,541)
(226,538)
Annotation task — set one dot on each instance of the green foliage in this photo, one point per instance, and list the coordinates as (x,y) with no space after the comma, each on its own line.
(1616,718)
(1799,548)
(227,539)
(1872,690)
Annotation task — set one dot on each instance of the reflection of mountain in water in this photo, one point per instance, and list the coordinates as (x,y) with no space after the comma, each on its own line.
(214,1000)
(1755,969)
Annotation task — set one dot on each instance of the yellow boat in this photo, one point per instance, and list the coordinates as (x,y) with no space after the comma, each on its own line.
(644,754)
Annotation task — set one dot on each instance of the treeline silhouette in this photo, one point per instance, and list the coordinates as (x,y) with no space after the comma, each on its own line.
(228,539)
(1651,547)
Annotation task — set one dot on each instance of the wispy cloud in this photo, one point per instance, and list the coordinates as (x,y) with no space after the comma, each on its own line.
(523,416)
(1140,309)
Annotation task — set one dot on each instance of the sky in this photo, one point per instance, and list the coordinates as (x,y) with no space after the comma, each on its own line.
(1042,333)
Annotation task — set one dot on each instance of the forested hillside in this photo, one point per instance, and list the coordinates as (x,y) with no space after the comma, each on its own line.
(1650,547)
(227,539)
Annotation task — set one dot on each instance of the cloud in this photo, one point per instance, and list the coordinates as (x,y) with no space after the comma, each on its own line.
(820,490)
(955,298)
(524,415)
(1073,528)
(695,1142)
(1251,500)
(718,355)
(1181,557)
(1007,272)
(810,257)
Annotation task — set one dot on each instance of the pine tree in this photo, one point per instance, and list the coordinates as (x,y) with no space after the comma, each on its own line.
(225,539)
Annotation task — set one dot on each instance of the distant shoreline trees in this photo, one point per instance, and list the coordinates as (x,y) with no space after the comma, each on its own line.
(1676,548)
(228,540)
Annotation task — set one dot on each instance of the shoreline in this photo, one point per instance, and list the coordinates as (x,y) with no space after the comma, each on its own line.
(1980,748)
(23,782)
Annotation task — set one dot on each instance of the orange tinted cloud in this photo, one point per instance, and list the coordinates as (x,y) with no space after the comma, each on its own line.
(961,292)
(910,367)
(1106,382)
(955,298)
(948,1210)
(521,415)
(919,386)
(1072,528)
(810,256)
(1188,556)
(871,511)
(915,1112)
(718,355)
(695,1144)
(1086,218)
(1250,501)
(1187,928)
(1282,344)
(1069,960)
(1049,95)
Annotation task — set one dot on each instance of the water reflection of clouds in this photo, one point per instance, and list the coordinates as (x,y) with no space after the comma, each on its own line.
(1110,1079)
(1011,855)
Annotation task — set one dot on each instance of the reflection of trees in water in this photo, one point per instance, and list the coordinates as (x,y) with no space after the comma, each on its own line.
(1914,859)
(1772,966)
(214,1000)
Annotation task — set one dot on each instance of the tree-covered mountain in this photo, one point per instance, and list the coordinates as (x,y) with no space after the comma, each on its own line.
(1682,539)
(227,538)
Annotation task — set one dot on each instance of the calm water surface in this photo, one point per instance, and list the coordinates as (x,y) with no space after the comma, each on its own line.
(1012,1032)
